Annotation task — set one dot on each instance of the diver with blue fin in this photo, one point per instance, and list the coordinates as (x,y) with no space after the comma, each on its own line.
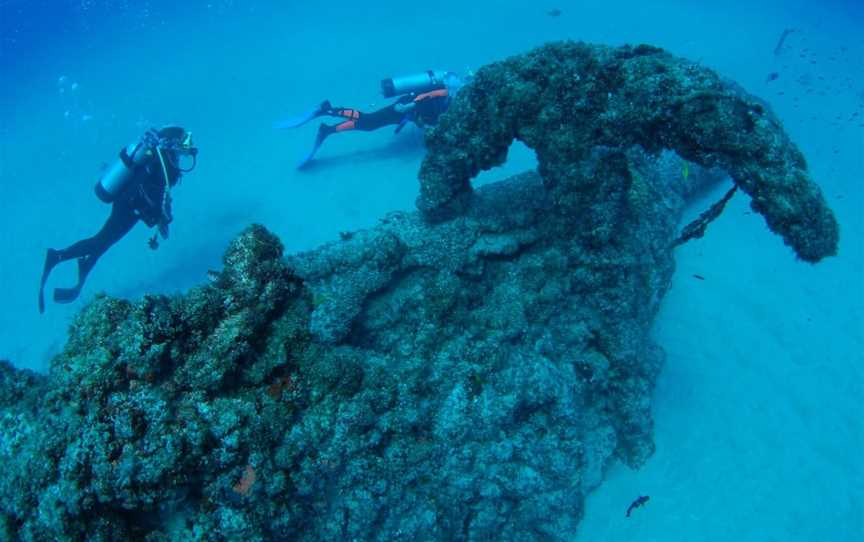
(138,186)
(421,99)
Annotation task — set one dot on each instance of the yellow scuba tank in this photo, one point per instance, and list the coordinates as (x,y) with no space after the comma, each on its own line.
(120,173)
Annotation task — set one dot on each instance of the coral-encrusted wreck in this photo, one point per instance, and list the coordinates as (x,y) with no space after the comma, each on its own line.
(466,378)
(568,100)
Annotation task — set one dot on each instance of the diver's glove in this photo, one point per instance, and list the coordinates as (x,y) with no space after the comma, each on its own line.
(164,232)
(162,226)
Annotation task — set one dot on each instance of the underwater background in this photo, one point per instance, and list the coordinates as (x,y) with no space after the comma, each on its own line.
(758,421)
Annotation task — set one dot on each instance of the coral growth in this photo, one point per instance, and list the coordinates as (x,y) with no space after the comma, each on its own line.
(467,379)
(566,100)
(452,382)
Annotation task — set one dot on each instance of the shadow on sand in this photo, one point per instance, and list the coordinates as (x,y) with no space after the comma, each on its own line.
(406,146)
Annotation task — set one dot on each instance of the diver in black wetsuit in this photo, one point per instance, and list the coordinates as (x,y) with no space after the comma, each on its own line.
(138,185)
(422,98)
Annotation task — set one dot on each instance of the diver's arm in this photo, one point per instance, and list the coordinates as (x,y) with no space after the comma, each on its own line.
(150,191)
(404,107)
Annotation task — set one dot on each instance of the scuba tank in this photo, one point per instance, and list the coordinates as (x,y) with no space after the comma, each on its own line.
(121,172)
(167,144)
(417,83)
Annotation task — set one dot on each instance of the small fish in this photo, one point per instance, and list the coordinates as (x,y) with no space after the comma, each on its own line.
(700,277)
(554,12)
(685,170)
(637,503)
(772,77)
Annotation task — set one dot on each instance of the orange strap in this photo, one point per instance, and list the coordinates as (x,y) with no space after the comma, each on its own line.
(349,113)
(431,94)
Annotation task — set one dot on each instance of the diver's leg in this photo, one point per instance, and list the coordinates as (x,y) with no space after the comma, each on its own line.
(54,257)
(88,245)
(348,113)
(386,116)
(119,223)
(324,131)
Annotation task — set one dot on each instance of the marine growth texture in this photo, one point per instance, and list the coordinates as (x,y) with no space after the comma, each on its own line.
(564,100)
(452,380)
(466,380)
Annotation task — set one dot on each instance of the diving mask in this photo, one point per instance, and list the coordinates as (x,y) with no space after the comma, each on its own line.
(178,146)
(186,146)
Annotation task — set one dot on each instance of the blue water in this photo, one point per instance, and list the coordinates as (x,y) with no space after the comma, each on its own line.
(758,410)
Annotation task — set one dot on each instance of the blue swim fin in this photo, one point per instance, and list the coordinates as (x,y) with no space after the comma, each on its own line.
(323,132)
(295,122)
(300,120)
(303,163)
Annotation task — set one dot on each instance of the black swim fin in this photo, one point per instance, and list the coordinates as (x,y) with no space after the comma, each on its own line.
(52,258)
(66,295)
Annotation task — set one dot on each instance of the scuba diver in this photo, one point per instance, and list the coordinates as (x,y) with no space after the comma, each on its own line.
(138,186)
(422,98)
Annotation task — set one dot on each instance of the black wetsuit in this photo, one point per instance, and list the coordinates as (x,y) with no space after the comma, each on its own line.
(141,200)
(386,116)
(423,109)
(425,112)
